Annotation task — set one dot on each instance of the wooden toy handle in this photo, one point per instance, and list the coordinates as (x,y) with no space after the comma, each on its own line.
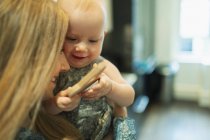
(90,78)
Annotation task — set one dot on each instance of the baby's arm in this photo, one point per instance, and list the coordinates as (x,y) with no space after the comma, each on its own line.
(113,86)
(61,102)
(122,92)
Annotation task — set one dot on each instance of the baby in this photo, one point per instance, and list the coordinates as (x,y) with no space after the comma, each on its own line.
(109,97)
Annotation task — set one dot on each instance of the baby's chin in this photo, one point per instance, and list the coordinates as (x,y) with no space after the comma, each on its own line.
(79,65)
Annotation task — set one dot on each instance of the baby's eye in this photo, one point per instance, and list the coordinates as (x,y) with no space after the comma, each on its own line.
(72,39)
(93,41)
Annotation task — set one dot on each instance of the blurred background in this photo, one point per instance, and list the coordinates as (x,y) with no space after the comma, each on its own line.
(162,47)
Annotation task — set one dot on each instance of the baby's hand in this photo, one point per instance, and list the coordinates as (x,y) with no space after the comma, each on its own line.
(99,89)
(66,103)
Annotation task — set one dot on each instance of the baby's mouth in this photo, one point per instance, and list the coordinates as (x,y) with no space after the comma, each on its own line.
(79,56)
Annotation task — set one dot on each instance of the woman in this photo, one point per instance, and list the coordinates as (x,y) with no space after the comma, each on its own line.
(46,126)
(52,126)
(31,35)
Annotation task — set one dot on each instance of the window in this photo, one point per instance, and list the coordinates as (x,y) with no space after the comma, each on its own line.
(195,29)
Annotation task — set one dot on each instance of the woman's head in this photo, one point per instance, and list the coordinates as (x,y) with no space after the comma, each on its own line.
(61,65)
(31,35)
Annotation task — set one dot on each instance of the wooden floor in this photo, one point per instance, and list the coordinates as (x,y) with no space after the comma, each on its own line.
(176,121)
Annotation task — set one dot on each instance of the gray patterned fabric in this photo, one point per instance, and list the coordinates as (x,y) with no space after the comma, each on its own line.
(92,118)
(124,129)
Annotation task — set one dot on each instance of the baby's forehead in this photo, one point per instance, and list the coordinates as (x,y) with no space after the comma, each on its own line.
(89,8)
(83,5)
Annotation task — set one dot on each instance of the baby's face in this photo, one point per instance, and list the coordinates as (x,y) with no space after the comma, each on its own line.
(84,38)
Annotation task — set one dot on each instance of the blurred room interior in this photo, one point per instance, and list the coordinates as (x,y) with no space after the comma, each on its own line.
(162,47)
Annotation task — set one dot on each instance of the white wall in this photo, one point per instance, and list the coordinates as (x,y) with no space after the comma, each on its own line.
(187,82)
(109,24)
(192,82)
(166,30)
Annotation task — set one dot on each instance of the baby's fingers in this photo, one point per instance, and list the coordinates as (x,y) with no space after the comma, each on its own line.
(63,102)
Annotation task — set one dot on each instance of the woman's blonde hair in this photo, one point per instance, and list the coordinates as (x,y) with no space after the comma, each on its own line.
(55,127)
(31,35)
